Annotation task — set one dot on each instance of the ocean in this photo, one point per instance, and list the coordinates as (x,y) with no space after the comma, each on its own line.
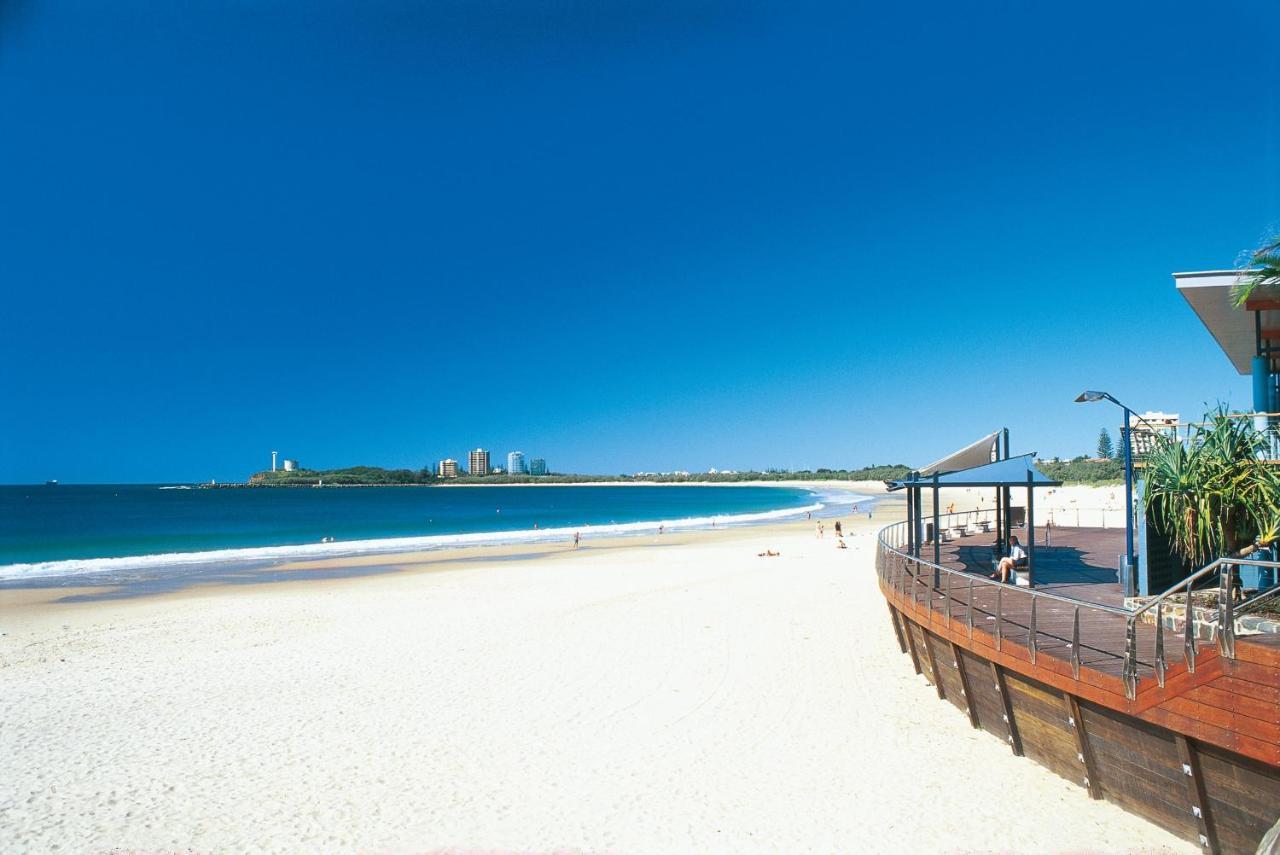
(68,531)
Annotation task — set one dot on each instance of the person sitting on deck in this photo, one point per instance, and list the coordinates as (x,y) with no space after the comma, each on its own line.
(1016,558)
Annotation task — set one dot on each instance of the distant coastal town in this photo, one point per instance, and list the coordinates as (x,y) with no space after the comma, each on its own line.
(519,469)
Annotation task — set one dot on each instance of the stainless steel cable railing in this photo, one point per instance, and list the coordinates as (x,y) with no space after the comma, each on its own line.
(947,589)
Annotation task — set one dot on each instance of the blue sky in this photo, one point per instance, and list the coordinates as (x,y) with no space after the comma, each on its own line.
(620,236)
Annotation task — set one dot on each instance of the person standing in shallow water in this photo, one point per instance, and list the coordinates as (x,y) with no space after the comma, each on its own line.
(576,538)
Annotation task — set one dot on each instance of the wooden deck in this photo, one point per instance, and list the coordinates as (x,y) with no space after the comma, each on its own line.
(1072,562)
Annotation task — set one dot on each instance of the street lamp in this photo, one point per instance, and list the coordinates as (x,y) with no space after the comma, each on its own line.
(1090,396)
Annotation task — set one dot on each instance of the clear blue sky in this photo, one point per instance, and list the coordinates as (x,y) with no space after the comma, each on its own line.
(618,236)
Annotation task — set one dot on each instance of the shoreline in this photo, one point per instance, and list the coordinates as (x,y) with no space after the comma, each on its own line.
(20,576)
(50,604)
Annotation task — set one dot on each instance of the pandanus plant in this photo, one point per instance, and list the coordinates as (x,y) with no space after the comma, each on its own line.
(1213,495)
(1263,272)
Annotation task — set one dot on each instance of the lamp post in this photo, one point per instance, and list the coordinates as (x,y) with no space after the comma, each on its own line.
(1088,397)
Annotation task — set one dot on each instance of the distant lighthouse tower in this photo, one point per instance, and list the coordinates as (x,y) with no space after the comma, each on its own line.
(273,460)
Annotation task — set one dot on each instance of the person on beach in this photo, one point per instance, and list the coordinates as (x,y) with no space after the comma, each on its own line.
(576,538)
(661,528)
(839,533)
(840,544)
(820,531)
(1010,562)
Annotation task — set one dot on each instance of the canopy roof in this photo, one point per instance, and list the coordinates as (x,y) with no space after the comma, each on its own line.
(1002,473)
(978,454)
(1209,294)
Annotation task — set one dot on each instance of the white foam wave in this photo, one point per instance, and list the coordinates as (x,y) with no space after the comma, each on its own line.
(335,549)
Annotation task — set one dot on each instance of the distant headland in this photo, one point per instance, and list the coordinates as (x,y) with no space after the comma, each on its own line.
(375,476)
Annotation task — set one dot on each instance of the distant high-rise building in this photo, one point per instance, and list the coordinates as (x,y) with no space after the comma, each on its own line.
(1143,429)
(447,468)
(537,466)
(516,464)
(478,462)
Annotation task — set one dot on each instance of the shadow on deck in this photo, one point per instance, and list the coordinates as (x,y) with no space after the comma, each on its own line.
(1075,562)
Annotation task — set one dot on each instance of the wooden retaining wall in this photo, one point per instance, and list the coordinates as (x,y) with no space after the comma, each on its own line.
(1161,769)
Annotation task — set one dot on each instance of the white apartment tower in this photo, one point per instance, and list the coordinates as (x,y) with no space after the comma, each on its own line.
(516,464)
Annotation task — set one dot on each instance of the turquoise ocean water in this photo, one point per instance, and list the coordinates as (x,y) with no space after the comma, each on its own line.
(64,531)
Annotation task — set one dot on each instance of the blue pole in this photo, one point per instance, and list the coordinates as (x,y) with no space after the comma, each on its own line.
(1261,384)
(1128,498)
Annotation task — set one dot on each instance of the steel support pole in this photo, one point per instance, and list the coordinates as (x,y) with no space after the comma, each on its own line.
(919,522)
(911,525)
(1031,533)
(1128,502)
(937,531)
(999,525)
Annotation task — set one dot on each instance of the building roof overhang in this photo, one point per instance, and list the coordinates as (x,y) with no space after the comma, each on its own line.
(1208,293)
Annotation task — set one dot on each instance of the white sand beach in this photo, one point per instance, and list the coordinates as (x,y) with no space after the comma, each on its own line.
(647,696)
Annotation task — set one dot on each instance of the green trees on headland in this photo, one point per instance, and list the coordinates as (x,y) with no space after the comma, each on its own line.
(351,476)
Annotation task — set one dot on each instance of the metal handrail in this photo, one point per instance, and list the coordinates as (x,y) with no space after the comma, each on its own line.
(1272,592)
(1215,565)
(1225,618)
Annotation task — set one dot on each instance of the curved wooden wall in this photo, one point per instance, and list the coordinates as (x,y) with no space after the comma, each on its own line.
(1200,756)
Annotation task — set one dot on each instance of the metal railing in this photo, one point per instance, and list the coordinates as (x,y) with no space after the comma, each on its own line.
(943,588)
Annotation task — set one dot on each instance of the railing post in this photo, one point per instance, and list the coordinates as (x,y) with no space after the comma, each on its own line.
(1189,635)
(1031,635)
(999,616)
(949,600)
(1160,643)
(1131,657)
(969,611)
(1226,612)
(1075,644)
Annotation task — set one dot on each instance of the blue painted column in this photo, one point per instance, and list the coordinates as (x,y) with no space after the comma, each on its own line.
(1263,391)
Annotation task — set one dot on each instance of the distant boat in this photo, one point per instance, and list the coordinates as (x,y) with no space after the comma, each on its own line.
(51,483)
